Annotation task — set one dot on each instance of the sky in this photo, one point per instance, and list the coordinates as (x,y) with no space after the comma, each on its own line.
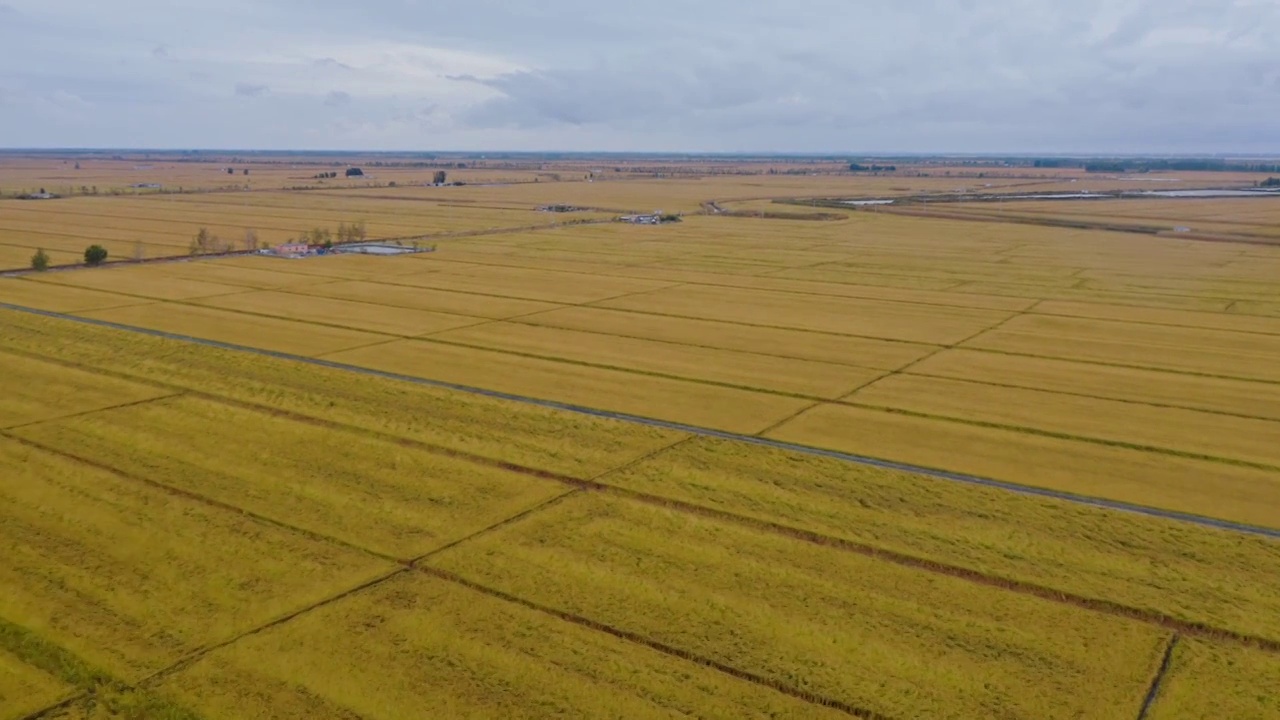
(802,76)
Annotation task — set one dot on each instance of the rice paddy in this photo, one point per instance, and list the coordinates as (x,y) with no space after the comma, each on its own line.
(201,532)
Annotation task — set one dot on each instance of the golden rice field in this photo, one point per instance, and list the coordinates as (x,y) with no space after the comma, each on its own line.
(206,533)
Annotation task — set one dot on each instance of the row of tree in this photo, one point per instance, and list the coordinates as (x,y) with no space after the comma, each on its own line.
(93,255)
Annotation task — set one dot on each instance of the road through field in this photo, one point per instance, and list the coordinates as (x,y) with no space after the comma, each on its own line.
(694,430)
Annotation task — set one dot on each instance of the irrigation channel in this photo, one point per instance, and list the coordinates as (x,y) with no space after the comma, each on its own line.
(934,473)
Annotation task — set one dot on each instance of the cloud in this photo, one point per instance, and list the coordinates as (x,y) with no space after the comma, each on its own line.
(250,90)
(771,75)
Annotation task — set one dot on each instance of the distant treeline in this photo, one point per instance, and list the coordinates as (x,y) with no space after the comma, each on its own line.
(1270,182)
(1142,165)
(856,167)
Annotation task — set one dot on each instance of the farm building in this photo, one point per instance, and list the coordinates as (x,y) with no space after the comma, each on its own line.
(651,219)
(294,248)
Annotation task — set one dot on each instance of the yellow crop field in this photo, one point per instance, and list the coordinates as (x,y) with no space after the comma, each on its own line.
(787,375)
(871,318)
(406,322)
(424,298)
(141,281)
(1172,429)
(1195,350)
(776,342)
(1140,562)
(369,492)
(25,689)
(1159,316)
(543,285)
(527,435)
(231,327)
(1239,397)
(131,578)
(1243,494)
(194,532)
(36,391)
(60,298)
(1208,680)
(682,401)
(816,617)
(474,656)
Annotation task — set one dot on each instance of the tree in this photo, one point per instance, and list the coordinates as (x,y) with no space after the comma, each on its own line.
(139,251)
(440,177)
(95,255)
(354,172)
(231,171)
(359,231)
(250,239)
(40,261)
(246,171)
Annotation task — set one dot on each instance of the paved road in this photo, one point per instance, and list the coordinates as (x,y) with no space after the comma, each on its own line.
(700,431)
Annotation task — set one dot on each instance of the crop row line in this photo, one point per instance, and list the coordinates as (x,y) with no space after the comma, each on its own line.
(599,484)
(934,473)
(1153,692)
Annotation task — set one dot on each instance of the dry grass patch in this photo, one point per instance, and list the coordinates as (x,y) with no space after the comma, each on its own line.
(817,618)
(1214,352)
(276,334)
(848,316)
(1186,572)
(615,390)
(1173,429)
(130,578)
(1209,681)
(372,493)
(329,311)
(803,377)
(1230,492)
(416,646)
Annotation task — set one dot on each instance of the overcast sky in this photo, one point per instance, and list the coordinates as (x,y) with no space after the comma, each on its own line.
(662,75)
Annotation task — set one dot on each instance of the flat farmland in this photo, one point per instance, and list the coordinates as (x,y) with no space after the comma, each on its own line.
(203,532)
(809,615)
(474,657)
(1212,681)
(1240,493)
